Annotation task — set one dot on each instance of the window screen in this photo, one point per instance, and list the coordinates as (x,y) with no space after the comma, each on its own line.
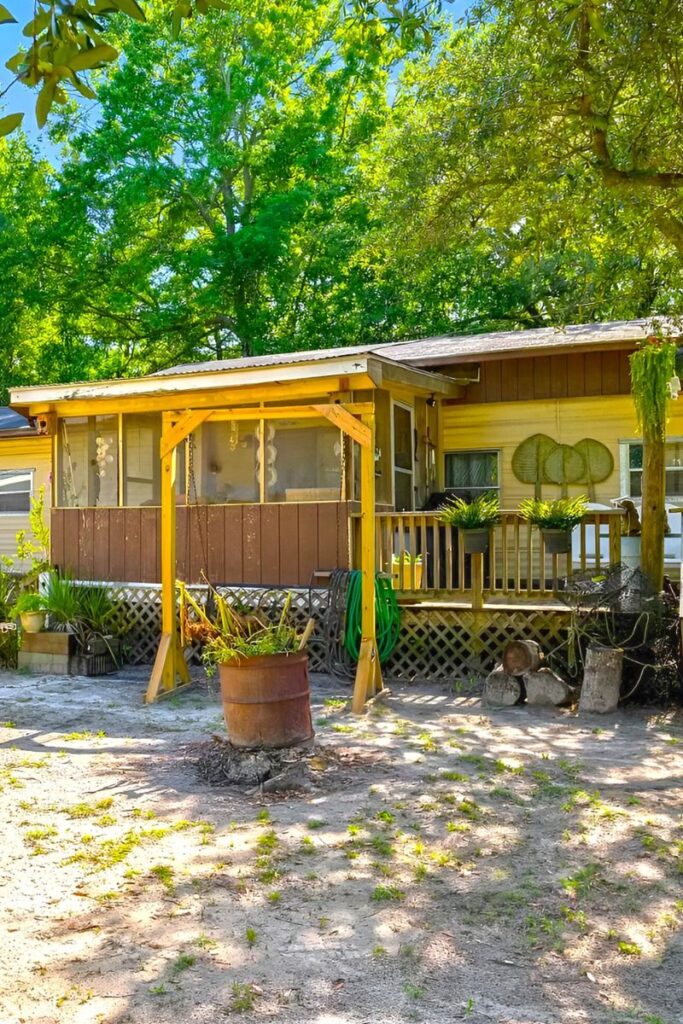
(673,458)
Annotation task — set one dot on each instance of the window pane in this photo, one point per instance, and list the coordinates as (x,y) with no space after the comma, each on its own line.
(88,461)
(635,456)
(303,462)
(469,474)
(15,490)
(142,468)
(225,462)
(403,491)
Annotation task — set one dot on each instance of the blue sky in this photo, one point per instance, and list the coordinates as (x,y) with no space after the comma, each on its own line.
(22,99)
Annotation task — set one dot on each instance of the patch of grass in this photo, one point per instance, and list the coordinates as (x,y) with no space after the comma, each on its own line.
(387,893)
(413,991)
(243,997)
(263,816)
(164,873)
(275,896)
(343,728)
(72,737)
(183,962)
(251,936)
(315,823)
(85,810)
(382,846)
(158,990)
(470,809)
(9,724)
(629,948)
(307,846)
(107,853)
(378,952)
(450,776)
(205,941)
(335,703)
(267,842)
(582,881)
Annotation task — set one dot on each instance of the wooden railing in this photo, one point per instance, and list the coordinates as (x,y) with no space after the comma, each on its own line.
(427,558)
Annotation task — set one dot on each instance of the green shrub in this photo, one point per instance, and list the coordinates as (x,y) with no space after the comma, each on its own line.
(560,514)
(481,513)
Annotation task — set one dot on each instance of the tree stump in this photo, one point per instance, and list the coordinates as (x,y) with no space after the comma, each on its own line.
(545,687)
(601,680)
(501,688)
(521,656)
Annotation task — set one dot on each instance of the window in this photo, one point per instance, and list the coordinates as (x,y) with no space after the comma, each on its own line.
(471,473)
(141,465)
(302,462)
(403,458)
(16,487)
(227,454)
(673,459)
(88,462)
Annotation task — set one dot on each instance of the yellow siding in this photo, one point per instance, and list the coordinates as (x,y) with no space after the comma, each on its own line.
(34,453)
(504,425)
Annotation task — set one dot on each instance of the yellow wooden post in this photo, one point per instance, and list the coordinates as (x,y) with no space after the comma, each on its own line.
(368,674)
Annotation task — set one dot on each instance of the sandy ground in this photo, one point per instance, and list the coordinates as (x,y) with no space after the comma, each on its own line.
(511,866)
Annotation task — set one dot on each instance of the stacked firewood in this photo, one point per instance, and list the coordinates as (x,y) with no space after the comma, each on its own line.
(523,676)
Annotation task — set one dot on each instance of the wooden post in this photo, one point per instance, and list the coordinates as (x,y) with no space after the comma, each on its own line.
(653,516)
(368,674)
(477,569)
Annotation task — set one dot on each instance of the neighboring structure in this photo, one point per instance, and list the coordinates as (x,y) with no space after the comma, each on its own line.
(268,501)
(25,467)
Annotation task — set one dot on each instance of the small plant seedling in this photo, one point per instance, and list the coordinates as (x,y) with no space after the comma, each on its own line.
(378,952)
(315,823)
(275,896)
(263,815)
(164,872)
(243,997)
(251,936)
(414,991)
(205,941)
(183,962)
(629,949)
(158,990)
(385,893)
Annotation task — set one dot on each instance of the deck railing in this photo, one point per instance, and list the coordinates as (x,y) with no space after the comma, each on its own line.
(427,558)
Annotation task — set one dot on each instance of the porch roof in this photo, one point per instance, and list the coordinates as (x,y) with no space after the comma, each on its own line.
(278,377)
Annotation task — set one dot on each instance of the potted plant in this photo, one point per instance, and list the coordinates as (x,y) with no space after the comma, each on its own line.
(263,670)
(474,518)
(555,519)
(30,607)
(401,567)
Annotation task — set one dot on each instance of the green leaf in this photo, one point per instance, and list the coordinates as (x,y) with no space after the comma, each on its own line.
(44,101)
(9,123)
(131,8)
(93,56)
(84,89)
(6,17)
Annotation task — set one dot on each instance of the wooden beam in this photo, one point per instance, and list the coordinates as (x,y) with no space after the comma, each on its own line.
(430,383)
(277,412)
(187,422)
(341,417)
(368,676)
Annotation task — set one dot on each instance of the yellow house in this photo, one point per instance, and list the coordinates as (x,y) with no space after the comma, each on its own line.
(269,498)
(25,467)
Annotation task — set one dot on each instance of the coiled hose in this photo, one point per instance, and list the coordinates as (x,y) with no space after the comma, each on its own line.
(386,612)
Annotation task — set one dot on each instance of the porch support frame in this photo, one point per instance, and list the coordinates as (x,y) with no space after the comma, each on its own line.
(170,672)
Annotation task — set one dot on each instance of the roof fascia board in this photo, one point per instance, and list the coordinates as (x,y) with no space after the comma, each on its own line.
(387,371)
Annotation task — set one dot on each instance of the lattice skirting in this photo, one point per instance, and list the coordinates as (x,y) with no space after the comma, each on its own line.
(445,644)
(435,644)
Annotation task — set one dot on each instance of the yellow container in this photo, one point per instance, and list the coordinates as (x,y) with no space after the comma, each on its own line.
(401,574)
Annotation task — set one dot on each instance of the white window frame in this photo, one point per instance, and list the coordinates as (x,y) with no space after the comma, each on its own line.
(625,468)
(19,472)
(474,451)
(399,469)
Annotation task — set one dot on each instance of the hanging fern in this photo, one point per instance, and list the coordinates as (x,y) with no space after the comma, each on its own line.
(652,367)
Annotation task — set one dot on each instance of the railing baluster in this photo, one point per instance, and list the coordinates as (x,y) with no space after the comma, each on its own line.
(504,553)
(493,548)
(461,561)
(413,551)
(614,525)
(529,560)
(596,531)
(451,583)
(436,558)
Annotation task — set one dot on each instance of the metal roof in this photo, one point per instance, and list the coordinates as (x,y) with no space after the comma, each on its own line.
(11,421)
(455,348)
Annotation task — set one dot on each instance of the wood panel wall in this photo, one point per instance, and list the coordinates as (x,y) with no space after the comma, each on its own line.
(568,375)
(267,545)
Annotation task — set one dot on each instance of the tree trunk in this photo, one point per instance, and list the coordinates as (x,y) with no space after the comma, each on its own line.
(653,516)
(601,680)
(521,656)
(544,687)
(502,689)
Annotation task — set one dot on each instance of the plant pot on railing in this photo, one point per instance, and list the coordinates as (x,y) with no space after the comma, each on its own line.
(555,519)
(474,519)
(403,569)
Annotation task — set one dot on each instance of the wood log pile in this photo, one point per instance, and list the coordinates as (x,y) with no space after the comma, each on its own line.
(522,677)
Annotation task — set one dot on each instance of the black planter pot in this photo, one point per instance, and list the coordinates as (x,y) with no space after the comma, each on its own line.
(557,542)
(475,541)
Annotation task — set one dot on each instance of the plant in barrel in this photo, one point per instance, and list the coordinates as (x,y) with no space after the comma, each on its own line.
(474,518)
(555,519)
(262,664)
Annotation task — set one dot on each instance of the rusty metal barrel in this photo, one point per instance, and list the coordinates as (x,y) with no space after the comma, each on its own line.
(266,700)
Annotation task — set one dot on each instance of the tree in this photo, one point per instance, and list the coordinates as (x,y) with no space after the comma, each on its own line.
(70,39)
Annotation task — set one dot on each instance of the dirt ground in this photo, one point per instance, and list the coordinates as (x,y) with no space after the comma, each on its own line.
(515,866)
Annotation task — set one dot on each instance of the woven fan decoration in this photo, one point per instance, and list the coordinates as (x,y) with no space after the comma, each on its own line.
(599,462)
(528,460)
(564,466)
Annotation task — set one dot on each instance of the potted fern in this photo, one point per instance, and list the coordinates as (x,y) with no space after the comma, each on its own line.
(555,519)
(474,518)
(29,607)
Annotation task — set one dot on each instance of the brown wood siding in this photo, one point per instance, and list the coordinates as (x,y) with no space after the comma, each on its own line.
(266,545)
(565,375)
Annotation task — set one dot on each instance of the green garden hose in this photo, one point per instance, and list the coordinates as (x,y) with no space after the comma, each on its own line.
(386,612)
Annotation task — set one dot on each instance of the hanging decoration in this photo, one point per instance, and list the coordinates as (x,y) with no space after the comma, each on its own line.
(541,460)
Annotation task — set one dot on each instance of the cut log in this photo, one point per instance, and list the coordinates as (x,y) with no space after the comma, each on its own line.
(601,680)
(521,656)
(545,687)
(501,688)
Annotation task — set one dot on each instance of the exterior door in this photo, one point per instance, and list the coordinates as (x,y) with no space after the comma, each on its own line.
(402,424)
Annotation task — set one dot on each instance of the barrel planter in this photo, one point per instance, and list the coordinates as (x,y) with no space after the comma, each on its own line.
(266,700)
